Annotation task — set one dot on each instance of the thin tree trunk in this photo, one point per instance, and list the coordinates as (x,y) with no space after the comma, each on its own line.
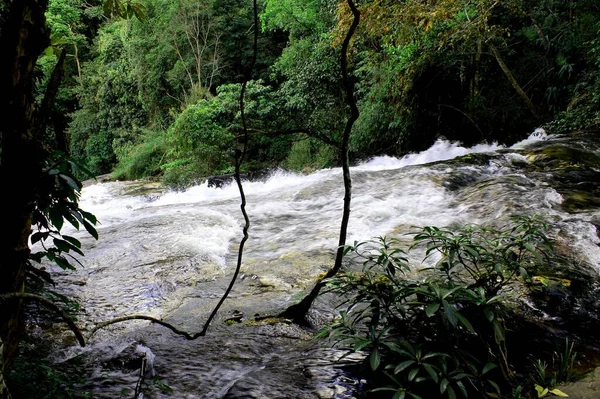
(514,82)
(298,311)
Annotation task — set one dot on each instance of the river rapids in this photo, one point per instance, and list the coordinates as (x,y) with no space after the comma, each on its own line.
(171,254)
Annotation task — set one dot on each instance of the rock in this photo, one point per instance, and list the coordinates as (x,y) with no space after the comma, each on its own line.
(586,388)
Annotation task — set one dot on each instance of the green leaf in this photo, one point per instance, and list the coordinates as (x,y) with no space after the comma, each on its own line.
(541,391)
(465,322)
(361,344)
(90,229)
(38,235)
(495,386)
(67,214)
(74,241)
(402,366)
(63,263)
(374,359)
(432,308)
(443,385)
(65,246)
(413,373)
(451,393)
(431,371)
(488,367)
(56,218)
(450,313)
(558,392)
(462,388)
(399,395)
(489,314)
(90,217)
(74,184)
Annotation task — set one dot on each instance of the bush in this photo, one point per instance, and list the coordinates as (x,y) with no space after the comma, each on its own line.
(144,159)
(439,332)
(310,154)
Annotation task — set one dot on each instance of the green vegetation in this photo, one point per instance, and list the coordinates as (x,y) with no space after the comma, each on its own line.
(443,330)
(158,95)
(469,71)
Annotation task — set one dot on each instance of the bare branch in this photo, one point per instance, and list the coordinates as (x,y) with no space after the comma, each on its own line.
(15,296)
(143,317)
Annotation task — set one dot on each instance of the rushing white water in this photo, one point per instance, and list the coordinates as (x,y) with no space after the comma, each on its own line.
(169,254)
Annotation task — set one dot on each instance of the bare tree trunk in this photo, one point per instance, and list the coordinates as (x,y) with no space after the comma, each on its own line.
(298,311)
(514,82)
(23,37)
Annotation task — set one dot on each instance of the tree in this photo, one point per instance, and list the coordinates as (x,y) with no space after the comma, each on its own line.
(298,311)
(23,37)
(26,161)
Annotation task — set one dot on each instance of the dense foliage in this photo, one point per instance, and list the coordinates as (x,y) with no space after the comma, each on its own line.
(471,71)
(441,330)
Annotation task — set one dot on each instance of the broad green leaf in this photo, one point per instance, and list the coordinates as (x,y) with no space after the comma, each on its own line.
(450,313)
(74,184)
(413,373)
(541,391)
(432,308)
(402,366)
(431,371)
(488,367)
(558,392)
(361,344)
(90,229)
(375,359)
(443,385)
(399,395)
(72,240)
(489,314)
(451,393)
(63,263)
(56,218)
(465,322)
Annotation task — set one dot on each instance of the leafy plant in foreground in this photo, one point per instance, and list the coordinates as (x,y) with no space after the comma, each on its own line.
(438,331)
(58,202)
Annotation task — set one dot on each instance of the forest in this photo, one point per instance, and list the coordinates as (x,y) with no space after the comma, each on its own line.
(157,95)
(151,90)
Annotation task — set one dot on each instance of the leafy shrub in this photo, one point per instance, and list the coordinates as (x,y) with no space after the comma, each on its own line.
(99,154)
(144,159)
(439,332)
(309,154)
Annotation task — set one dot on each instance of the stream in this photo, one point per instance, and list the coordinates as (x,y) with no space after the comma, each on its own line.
(170,255)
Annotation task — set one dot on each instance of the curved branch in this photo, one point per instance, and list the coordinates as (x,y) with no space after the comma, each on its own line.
(14,296)
(121,319)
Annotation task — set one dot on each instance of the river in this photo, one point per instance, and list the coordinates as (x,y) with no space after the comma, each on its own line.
(170,255)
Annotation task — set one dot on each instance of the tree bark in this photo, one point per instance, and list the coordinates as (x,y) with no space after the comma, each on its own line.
(514,82)
(23,37)
(299,311)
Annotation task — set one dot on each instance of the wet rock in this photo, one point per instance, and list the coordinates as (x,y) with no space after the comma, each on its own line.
(131,357)
(223,180)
